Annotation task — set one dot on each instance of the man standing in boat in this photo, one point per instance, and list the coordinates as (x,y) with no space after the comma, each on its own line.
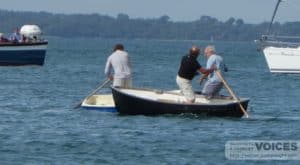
(214,84)
(119,61)
(187,70)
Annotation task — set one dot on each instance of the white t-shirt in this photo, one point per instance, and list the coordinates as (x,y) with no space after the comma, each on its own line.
(120,62)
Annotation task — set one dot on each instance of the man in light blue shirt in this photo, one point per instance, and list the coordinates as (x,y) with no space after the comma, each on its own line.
(214,84)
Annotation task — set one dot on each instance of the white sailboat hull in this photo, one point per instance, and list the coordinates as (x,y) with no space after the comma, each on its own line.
(282,59)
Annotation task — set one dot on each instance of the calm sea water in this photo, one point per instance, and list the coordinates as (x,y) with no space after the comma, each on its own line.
(38,124)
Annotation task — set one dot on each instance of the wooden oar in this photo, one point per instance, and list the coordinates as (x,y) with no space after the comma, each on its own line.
(96,90)
(231,92)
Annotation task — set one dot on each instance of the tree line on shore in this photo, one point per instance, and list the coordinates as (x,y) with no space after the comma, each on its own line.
(122,26)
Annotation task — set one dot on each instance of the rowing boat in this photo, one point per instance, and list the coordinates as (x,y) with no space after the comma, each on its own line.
(136,101)
(103,102)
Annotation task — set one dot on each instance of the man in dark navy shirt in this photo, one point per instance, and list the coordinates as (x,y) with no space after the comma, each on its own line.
(188,69)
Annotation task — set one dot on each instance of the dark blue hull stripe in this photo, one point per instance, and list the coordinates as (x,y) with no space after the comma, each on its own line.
(23,57)
(103,109)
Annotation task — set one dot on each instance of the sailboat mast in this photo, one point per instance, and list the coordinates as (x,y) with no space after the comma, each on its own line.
(274,13)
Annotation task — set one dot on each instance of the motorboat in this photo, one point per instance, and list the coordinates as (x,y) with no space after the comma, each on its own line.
(29,50)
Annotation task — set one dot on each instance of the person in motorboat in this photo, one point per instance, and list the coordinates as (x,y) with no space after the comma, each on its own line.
(2,38)
(120,63)
(189,67)
(214,84)
(15,36)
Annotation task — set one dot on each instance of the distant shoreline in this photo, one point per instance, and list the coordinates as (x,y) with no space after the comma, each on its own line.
(103,26)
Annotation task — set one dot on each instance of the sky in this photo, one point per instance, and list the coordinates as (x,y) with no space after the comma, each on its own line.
(251,11)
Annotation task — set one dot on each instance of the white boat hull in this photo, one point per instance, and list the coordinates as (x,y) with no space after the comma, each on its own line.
(103,102)
(282,60)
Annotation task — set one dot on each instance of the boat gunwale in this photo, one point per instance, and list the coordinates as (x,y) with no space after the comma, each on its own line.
(172,102)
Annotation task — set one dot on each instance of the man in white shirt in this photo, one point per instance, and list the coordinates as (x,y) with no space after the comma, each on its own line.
(214,84)
(119,61)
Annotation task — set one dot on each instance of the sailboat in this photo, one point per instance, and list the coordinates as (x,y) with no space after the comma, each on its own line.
(281,56)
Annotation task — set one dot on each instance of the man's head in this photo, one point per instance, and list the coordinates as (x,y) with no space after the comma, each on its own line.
(119,47)
(194,50)
(209,50)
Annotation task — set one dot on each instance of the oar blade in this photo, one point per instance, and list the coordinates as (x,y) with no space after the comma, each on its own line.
(218,72)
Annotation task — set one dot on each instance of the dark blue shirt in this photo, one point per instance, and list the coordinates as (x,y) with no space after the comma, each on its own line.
(188,67)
